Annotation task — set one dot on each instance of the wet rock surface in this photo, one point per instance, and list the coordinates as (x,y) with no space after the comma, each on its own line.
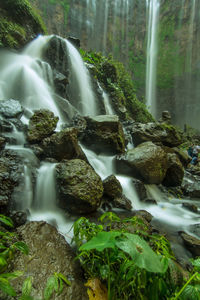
(146,162)
(41,125)
(155,132)
(63,145)
(104,134)
(49,253)
(80,188)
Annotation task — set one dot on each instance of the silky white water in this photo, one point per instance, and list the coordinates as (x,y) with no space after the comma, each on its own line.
(153,7)
(41,202)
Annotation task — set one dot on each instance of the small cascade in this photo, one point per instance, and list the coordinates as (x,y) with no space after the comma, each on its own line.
(80,79)
(153,7)
(108,108)
(45,195)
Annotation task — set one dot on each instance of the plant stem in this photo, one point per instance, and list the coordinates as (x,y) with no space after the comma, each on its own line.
(189,280)
(108,275)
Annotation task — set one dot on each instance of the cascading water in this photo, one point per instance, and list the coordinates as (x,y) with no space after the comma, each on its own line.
(80,77)
(42,202)
(153,7)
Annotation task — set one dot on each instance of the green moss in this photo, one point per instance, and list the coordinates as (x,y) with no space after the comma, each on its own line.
(118,83)
(18,21)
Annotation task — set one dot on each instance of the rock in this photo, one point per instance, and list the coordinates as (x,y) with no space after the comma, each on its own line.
(122,202)
(191,186)
(175,171)
(183,156)
(74,41)
(104,134)
(155,132)
(114,194)
(190,207)
(166,117)
(49,253)
(2,142)
(112,187)
(11,108)
(18,217)
(63,145)
(146,162)
(41,125)
(56,55)
(80,188)
(195,229)
(5,126)
(140,189)
(191,243)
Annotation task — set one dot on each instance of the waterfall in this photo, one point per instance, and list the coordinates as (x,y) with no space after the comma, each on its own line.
(80,78)
(152,48)
(45,195)
(105,27)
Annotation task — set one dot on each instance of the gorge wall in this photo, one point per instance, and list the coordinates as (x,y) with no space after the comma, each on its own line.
(120,27)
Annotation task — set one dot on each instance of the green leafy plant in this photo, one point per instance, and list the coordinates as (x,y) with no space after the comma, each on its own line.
(124,261)
(8,248)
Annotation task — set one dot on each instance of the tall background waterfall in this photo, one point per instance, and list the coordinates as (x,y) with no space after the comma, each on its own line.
(158,41)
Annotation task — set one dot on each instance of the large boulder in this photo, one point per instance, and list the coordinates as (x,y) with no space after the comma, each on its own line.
(41,125)
(11,108)
(104,134)
(191,243)
(80,188)
(146,162)
(175,171)
(63,145)
(49,253)
(191,187)
(155,132)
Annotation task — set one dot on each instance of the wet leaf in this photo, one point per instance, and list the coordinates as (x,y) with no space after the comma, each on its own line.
(101,241)
(141,253)
(22,247)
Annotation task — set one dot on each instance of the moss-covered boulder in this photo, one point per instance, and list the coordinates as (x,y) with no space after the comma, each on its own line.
(41,125)
(166,134)
(63,145)
(175,171)
(146,162)
(19,23)
(104,134)
(80,188)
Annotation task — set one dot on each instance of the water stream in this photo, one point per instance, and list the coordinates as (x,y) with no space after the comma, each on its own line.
(41,202)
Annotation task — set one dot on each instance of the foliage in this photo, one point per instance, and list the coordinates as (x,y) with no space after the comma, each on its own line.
(14,15)
(8,248)
(133,266)
(119,85)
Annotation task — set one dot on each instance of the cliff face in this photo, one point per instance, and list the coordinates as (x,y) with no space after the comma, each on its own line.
(19,23)
(121,28)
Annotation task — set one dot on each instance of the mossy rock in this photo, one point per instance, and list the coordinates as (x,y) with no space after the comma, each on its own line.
(19,23)
(41,125)
(80,188)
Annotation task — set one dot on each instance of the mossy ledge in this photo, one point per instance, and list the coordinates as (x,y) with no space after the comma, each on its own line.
(19,23)
(119,85)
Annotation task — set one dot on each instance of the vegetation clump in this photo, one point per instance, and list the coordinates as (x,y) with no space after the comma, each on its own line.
(19,23)
(119,85)
(133,265)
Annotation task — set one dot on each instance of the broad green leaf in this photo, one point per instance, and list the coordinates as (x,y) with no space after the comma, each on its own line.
(22,247)
(6,220)
(190,292)
(101,241)
(109,216)
(64,279)
(6,287)
(51,286)
(11,275)
(141,253)
(27,286)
